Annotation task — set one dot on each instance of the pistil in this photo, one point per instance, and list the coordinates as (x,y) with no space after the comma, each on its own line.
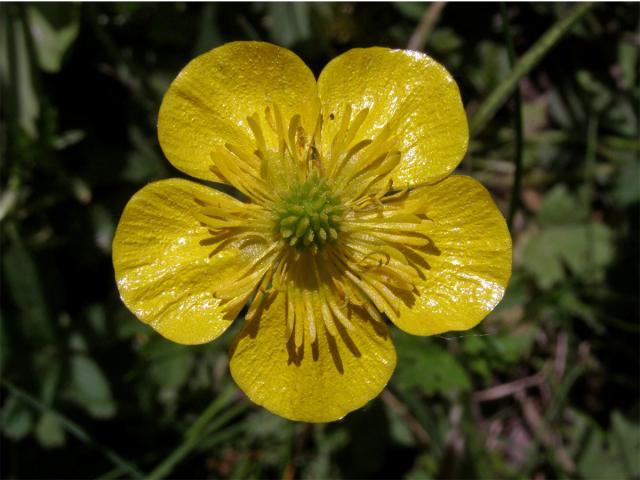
(308,215)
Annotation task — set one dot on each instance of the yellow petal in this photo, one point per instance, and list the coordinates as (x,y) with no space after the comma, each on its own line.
(411,100)
(208,104)
(162,258)
(469,263)
(318,383)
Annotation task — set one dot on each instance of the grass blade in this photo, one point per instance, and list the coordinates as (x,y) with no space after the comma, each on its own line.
(517,122)
(75,430)
(528,61)
(203,425)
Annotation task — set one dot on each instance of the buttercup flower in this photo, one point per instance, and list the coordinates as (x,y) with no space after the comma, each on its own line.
(347,217)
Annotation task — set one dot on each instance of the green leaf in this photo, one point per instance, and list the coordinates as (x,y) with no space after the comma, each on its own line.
(598,460)
(429,367)
(49,378)
(492,68)
(54,27)
(575,307)
(289,23)
(17,73)
(104,227)
(481,367)
(67,139)
(612,454)
(5,344)
(516,293)
(626,435)
(90,388)
(599,95)
(412,10)
(584,249)
(621,117)
(265,426)
(96,316)
(560,207)
(511,348)
(24,287)
(49,432)
(398,429)
(17,419)
(209,35)
(592,248)
(499,351)
(542,260)
(444,40)
(626,189)
(426,467)
(143,162)
(172,369)
(628,60)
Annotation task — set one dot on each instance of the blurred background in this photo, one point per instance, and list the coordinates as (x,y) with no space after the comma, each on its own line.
(546,387)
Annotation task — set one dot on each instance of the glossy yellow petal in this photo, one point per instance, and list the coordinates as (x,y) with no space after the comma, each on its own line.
(400,100)
(165,270)
(321,382)
(468,265)
(207,105)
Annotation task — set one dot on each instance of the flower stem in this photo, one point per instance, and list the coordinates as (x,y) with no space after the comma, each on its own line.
(428,21)
(75,430)
(203,425)
(517,122)
(528,61)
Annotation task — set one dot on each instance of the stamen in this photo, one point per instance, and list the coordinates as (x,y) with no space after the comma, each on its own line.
(355,126)
(311,322)
(291,316)
(293,129)
(327,318)
(254,125)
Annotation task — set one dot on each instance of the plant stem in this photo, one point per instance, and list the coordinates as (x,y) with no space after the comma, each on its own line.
(589,175)
(528,61)
(428,21)
(193,435)
(514,204)
(74,429)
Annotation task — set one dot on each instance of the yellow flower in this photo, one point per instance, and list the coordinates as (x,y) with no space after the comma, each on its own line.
(347,217)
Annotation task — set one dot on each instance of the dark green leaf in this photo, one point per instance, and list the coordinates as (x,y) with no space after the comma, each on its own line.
(584,249)
(24,287)
(559,207)
(49,432)
(626,435)
(429,367)
(54,27)
(89,387)
(17,419)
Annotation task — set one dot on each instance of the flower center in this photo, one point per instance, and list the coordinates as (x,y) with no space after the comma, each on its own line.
(308,215)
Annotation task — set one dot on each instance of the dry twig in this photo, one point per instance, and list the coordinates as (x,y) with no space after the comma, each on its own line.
(419,433)
(508,389)
(429,19)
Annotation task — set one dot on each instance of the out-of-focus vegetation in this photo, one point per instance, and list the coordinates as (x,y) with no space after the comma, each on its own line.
(546,387)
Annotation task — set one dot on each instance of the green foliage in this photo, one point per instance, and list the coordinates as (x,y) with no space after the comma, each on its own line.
(49,432)
(608,454)
(17,419)
(89,387)
(53,31)
(495,353)
(428,367)
(23,284)
(546,387)
(582,249)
